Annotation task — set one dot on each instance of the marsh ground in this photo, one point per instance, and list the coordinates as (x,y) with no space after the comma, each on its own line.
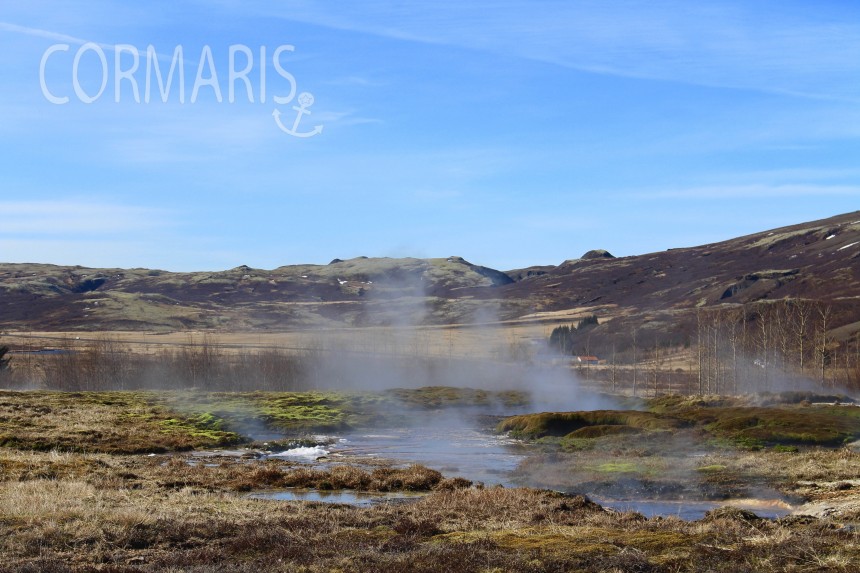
(72,500)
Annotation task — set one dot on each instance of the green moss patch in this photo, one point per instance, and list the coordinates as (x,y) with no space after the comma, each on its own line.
(615,467)
(448,396)
(104,422)
(711,469)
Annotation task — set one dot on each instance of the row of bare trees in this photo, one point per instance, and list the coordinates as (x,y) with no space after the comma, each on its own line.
(108,364)
(771,345)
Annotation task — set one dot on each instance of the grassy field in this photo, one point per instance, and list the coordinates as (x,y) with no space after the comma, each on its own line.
(157,422)
(73,497)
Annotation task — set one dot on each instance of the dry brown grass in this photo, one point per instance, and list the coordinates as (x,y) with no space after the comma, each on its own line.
(74,511)
(71,525)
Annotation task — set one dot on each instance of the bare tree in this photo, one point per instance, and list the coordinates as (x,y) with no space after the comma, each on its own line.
(823,340)
(4,360)
(613,372)
(764,343)
(635,333)
(782,320)
(716,351)
(802,315)
(700,349)
(656,368)
(733,318)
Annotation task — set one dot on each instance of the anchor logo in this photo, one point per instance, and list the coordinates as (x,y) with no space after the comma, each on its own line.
(306,100)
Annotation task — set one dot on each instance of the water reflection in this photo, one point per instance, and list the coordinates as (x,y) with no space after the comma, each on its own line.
(694,510)
(358,498)
(456,451)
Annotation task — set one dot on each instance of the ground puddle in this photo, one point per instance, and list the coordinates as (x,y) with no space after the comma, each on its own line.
(348,497)
(464,449)
(694,510)
(455,451)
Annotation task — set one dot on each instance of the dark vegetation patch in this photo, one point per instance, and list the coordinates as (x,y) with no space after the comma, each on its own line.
(446,396)
(586,424)
(778,426)
(413,478)
(792,421)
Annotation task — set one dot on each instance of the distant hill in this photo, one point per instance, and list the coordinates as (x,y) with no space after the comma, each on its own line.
(356,291)
(817,260)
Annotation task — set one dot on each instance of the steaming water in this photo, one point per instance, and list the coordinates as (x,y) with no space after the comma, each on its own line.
(308,453)
(454,450)
(459,448)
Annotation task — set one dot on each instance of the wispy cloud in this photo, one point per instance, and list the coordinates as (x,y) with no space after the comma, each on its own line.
(343,118)
(352,81)
(755,191)
(774,47)
(65,38)
(63,217)
(7,27)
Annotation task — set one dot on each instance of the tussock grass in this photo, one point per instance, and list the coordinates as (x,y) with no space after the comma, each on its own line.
(70,526)
(413,478)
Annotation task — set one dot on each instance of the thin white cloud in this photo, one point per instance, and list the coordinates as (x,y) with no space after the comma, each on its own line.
(155,252)
(61,217)
(340,117)
(794,50)
(8,27)
(794,175)
(60,37)
(353,81)
(436,195)
(753,191)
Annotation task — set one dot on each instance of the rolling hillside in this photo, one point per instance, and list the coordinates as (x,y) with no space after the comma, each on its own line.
(817,260)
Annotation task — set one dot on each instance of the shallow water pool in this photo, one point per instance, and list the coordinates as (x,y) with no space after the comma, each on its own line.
(348,497)
(693,510)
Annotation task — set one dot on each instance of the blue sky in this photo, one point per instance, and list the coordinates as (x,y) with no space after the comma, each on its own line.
(509,133)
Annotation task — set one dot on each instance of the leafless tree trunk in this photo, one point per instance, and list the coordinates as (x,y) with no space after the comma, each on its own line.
(732,319)
(716,327)
(635,333)
(700,349)
(824,315)
(802,314)
(656,364)
(764,343)
(614,373)
(745,371)
(782,317)
(690,372)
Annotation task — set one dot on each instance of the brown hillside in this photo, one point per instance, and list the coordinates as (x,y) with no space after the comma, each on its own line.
(817,260)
